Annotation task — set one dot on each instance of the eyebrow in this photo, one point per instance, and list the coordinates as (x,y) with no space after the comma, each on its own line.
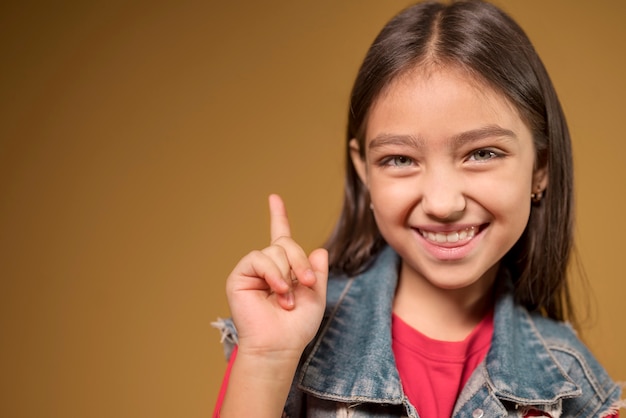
(488,131)
(384,140)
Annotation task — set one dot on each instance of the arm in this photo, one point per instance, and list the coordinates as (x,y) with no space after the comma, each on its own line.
(257,387)
(277,299)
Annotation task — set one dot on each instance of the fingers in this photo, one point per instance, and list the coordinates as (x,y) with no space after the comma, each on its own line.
(262,271)
(283,266)
(279,224)
(293,263)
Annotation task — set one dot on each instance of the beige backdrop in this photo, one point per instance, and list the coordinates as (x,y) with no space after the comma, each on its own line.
(138,143)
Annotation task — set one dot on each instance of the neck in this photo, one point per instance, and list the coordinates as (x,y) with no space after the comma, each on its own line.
(442,314)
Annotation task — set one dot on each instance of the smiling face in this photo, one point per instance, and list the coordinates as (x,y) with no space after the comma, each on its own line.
(449,165)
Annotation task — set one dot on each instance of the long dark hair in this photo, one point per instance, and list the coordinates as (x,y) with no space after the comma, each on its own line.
(482,40)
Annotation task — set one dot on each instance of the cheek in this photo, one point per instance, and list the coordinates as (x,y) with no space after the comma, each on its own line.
(393,200)
(506,197)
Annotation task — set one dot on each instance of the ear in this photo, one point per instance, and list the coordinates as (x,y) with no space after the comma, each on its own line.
(358,161)
(540,180)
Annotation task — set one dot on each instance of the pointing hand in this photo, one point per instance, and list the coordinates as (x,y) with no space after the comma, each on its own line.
(277,295)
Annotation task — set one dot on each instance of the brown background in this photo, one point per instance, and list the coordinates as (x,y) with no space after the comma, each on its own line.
(138,143)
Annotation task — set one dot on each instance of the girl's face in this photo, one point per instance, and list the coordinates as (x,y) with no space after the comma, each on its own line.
(449,165)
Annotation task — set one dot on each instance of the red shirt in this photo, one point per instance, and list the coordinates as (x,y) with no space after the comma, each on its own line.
(434,372)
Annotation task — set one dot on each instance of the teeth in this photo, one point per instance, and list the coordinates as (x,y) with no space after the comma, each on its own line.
(455,236)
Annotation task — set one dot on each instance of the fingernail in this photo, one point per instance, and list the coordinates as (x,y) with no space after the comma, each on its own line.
(289,299)
(309,275)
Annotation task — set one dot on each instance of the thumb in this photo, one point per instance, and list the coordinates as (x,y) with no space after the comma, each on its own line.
(319,262)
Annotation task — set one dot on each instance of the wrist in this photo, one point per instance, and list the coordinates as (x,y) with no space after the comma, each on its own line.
(274,365)
(262,380)
(267,353)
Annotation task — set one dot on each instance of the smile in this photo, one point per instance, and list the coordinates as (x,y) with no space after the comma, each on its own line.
(451,237)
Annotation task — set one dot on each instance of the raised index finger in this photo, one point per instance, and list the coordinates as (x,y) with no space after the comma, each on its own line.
(279,224)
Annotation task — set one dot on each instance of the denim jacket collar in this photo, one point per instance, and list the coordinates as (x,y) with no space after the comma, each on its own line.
(352,359)
(520,366)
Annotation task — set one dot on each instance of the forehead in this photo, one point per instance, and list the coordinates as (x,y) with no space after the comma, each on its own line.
(442,101)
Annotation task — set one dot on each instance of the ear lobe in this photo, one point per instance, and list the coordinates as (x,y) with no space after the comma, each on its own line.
(357,161)
(540,179)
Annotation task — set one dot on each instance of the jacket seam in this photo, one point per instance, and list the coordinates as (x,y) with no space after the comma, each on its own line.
(318,338)
(556,362)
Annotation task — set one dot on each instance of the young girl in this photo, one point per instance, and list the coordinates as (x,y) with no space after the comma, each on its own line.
(447,286)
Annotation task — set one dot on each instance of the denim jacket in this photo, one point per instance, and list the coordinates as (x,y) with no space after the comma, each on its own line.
(533,363)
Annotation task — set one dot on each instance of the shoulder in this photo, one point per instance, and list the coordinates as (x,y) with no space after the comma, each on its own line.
(564,342)
(600,394)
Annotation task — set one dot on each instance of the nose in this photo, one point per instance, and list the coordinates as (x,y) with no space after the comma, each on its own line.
(443,195)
